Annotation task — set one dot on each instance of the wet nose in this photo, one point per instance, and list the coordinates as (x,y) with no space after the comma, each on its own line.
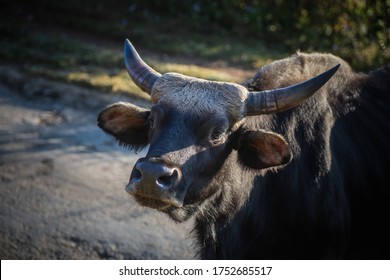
(154,173)
(152,178)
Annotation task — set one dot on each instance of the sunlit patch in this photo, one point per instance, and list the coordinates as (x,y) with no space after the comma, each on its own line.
(118,82)
(199,72)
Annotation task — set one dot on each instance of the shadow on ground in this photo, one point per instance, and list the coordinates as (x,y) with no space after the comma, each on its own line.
(62,180)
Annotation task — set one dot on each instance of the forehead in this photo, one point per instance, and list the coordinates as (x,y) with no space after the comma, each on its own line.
(188,94)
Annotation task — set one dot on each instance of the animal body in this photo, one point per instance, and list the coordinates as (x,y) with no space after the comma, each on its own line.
(268,169)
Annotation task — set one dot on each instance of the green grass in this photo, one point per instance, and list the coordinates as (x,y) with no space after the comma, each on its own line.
(64,58)
(249,54)
(73,42)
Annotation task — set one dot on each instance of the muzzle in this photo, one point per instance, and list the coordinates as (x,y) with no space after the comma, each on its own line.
(156,184)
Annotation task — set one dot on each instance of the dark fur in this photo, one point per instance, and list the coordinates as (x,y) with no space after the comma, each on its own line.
(324,192)
(333,199)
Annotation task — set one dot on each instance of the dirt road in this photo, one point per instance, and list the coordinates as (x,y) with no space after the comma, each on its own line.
(62,180)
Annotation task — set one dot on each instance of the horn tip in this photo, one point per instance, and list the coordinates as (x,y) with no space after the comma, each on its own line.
(329,74)
(335,68)
(127,42)
(129,54)
(128,45)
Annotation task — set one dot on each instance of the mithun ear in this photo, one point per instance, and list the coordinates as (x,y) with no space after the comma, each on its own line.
(263,149)
(127,123)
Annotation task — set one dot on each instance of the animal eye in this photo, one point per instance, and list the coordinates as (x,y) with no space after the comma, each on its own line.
(217,136)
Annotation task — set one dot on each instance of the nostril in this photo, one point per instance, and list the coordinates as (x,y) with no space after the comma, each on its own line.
(136,175)
(164,181)
(168,180)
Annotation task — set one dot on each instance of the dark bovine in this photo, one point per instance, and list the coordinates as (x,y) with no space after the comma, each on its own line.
(311,182)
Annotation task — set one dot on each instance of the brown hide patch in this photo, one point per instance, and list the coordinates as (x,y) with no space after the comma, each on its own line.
(121,117)
(127,123)
(295,69)
(260,149)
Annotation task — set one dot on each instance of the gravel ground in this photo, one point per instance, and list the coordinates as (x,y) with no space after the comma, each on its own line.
(62,180)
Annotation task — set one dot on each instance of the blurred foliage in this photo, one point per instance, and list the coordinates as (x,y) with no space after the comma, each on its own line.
(240,31)
(89,20)
(357,30)
(67,59)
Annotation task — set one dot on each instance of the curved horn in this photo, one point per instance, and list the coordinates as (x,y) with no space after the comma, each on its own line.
(141,73)
(282,99)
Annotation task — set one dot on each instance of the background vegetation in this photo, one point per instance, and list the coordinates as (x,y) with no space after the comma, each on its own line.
(358,30)
(80,41)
